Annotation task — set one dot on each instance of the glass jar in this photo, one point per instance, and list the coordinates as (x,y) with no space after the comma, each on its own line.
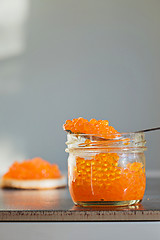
(106,171)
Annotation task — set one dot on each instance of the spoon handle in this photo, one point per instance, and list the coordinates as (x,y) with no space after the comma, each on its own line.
(148,130)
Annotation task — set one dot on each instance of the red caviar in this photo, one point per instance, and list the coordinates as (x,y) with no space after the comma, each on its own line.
(96,127)
(117,177)
(101,179)
(35,168)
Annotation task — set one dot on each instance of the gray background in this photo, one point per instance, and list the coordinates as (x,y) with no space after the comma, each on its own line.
(87,231)
(84,58)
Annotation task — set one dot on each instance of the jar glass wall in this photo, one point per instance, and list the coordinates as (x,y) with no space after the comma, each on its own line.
(106,171)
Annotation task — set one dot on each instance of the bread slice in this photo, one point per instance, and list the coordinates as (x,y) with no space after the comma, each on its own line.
(34,184)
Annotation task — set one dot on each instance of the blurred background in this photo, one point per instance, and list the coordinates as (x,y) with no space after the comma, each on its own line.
(64,59)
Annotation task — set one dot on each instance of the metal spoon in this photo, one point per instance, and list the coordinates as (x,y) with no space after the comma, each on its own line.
(148,130)
(87,136)
(101,138)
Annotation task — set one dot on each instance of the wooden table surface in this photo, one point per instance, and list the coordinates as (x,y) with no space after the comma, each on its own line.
(56,205)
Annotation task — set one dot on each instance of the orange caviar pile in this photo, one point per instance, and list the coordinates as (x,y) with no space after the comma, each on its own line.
(35,168)
(96,127)
(101,179)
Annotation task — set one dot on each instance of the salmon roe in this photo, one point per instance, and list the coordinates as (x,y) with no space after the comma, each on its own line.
(101,179)
(97,127)
(115,172)
(35,168)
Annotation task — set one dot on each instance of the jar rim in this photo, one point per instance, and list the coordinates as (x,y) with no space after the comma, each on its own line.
(123,141)
(119,134)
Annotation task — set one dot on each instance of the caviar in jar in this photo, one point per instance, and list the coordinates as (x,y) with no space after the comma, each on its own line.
(106,172)
(105,167)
